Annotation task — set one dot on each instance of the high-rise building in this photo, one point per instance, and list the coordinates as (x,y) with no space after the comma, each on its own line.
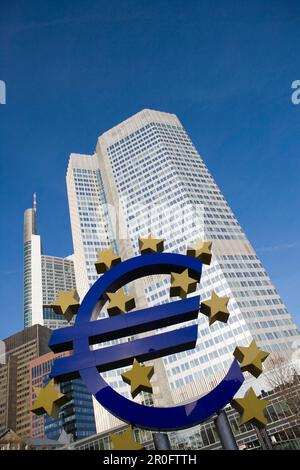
(92,230)
(39,369)
(149,171)
(21,348)
(44,277)
(76,417)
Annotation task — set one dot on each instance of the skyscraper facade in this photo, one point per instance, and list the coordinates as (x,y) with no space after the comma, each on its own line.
(21,348)
(44,277)
(39,369)
(76,417)
(148,170)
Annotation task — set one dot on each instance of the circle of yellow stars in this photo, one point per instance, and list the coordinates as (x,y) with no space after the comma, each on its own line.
(250,407)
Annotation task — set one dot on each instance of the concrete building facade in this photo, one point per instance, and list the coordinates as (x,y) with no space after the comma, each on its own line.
(76,418)
(21,348)
(283,422)
(146,176)
(44,277)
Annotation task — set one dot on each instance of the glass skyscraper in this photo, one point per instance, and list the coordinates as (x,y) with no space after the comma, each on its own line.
(44,277)
(76,417)
(148,171)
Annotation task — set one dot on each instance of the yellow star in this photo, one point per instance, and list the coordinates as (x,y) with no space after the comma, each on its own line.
(201,250)
(138,377)
(151,245)
(182,284)
(251,409)
(106,260)
(49,400)
(67,304)
(251,358)
(125,441)
(119,302)
(215,308)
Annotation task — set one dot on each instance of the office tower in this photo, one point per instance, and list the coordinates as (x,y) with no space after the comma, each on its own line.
(57,275)
(92,230)
(76,417)
(44,277)
(149,167)
(89,221)
(21,348)
(39,369)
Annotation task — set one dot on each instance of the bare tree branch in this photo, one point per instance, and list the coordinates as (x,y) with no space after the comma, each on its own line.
(284,378)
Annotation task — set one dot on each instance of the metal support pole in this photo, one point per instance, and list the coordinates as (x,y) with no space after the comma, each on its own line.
(225,432)
(161,441)
(263,438)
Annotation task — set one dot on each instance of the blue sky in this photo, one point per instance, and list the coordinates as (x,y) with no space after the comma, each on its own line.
(73,69)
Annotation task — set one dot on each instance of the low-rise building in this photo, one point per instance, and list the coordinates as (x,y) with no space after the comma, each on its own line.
(283,430)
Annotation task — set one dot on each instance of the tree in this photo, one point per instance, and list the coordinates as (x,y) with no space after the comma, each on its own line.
(284,379)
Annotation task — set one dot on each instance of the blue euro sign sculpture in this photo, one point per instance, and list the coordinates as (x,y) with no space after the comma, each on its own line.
(88,364)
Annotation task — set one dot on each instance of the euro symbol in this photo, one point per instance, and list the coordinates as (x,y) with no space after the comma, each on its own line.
(87,364)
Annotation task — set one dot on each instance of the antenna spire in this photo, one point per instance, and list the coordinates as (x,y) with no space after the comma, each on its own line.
(34,202)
